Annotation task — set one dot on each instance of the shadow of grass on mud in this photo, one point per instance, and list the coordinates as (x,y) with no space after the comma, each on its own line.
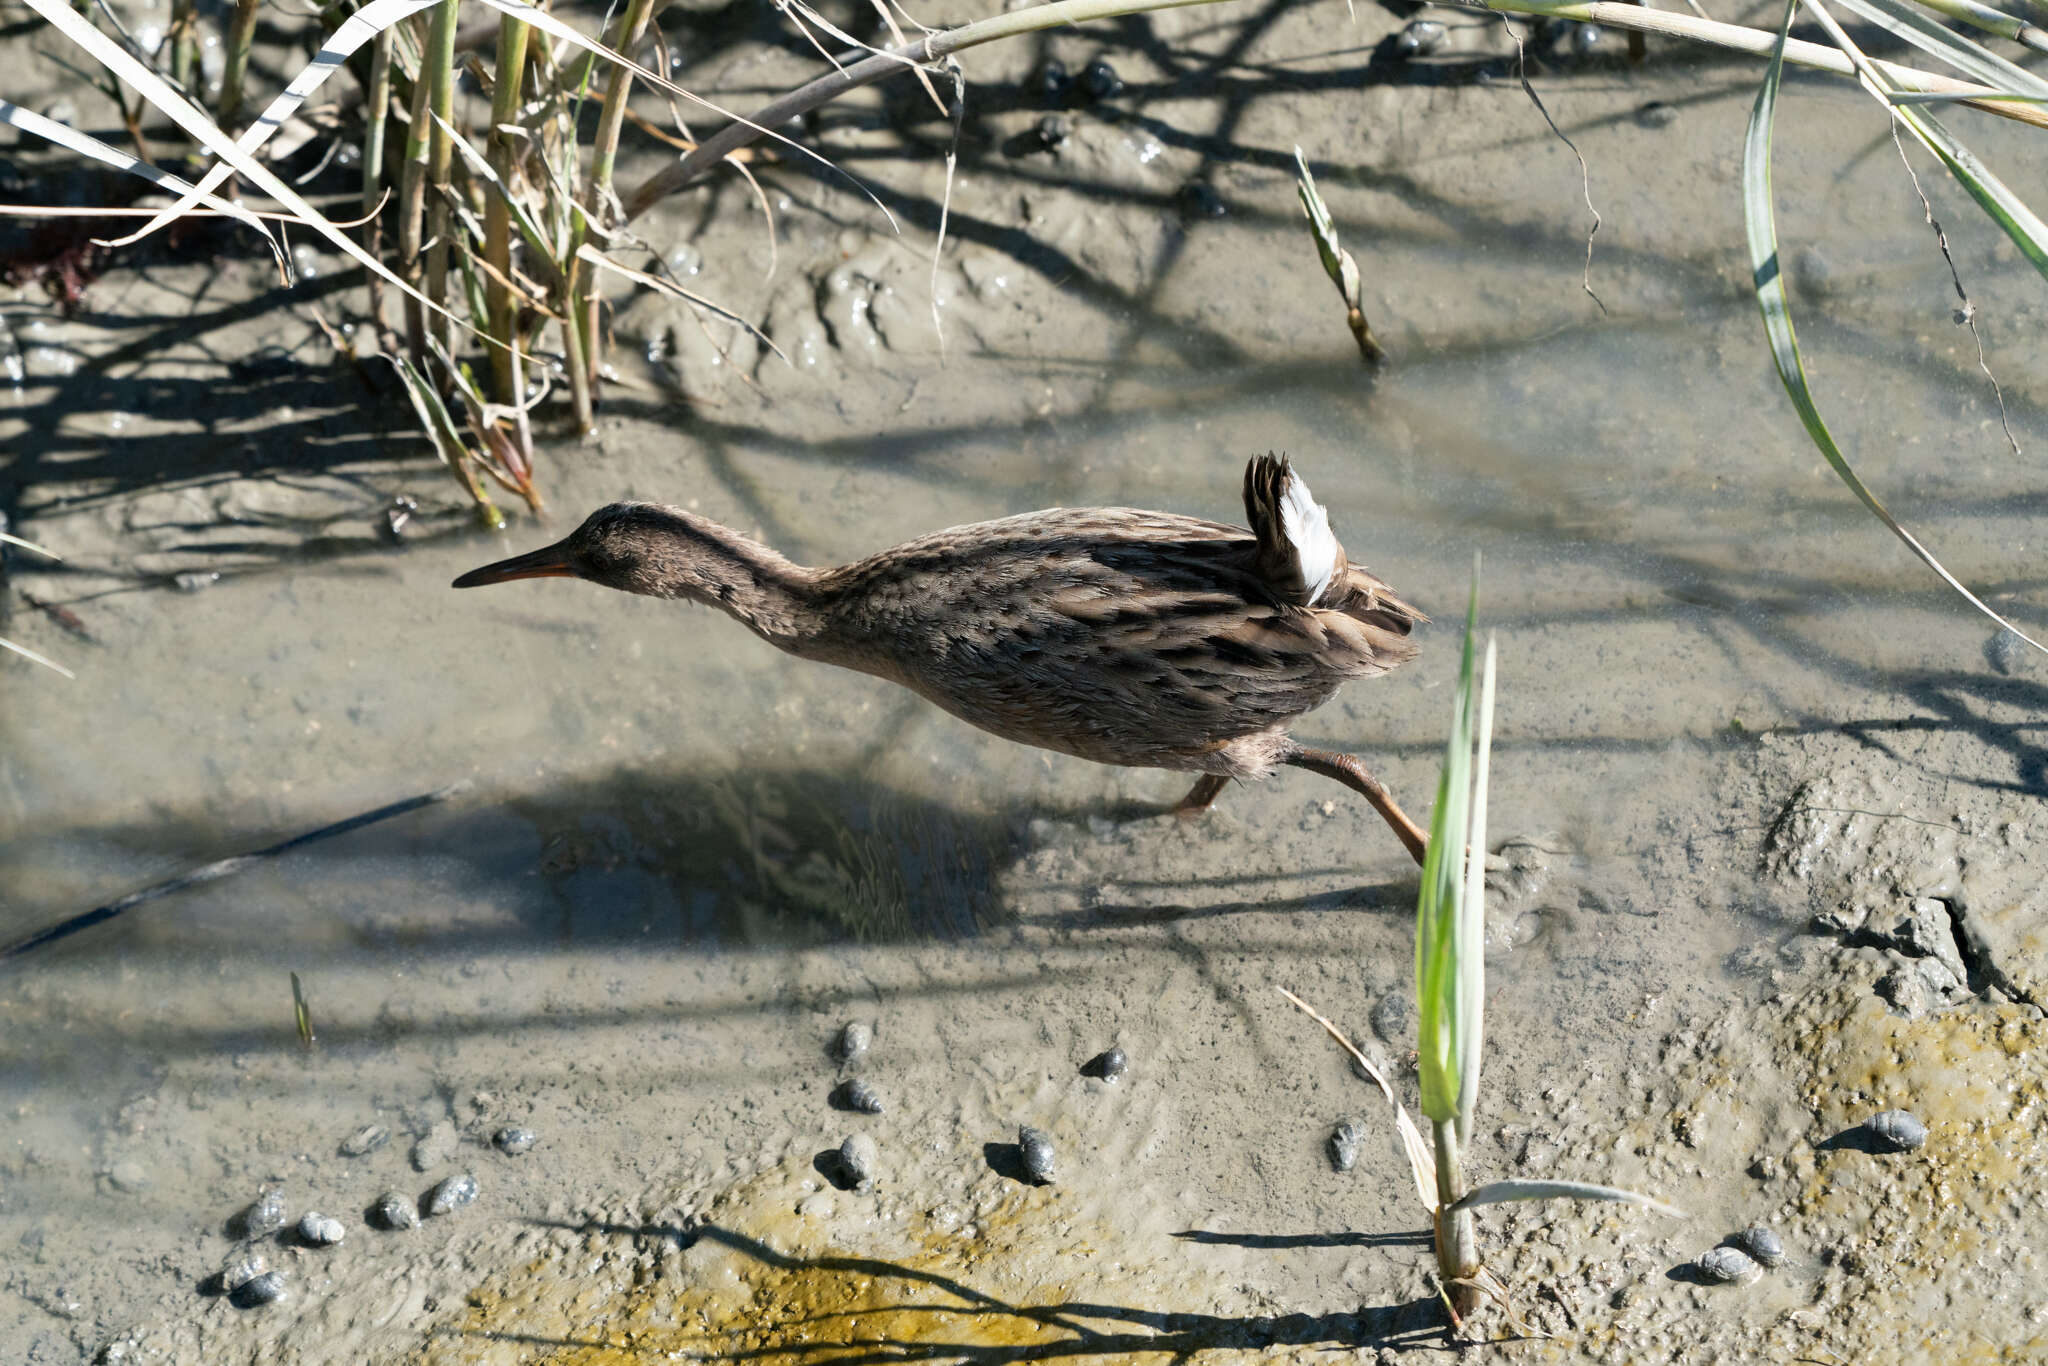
(1219,65)
(907,1313)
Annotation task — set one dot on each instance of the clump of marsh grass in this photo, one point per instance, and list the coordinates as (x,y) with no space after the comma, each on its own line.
(1450,997)
(500,231)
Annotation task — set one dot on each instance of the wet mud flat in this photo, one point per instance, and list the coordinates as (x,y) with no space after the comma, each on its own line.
(1771,806)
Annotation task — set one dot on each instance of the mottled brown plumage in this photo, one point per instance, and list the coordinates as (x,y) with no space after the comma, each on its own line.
(1118,635)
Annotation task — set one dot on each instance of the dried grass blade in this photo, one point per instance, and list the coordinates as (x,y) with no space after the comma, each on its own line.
(1503,1192)
(7,539)
(1421,1162)
(26,653)
(597,258)
(202,129)
(88,146)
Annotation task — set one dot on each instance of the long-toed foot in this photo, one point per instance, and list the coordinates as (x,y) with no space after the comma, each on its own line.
(1346,769)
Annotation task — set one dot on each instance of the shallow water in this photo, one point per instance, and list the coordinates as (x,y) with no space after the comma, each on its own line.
(682,859)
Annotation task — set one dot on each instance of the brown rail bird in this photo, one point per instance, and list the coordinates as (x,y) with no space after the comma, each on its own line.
(1126,637)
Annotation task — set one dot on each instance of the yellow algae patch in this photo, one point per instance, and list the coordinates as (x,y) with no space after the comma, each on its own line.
(780,1273)
(1976,1077)
(1958,1065)
(1905,1233)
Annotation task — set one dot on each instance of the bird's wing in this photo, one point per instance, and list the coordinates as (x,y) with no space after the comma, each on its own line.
(1298,557)
(1300,561)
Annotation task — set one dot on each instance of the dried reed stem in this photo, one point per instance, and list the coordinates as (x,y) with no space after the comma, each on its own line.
(598,190)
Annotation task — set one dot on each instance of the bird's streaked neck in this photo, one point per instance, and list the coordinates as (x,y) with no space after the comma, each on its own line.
(698,560)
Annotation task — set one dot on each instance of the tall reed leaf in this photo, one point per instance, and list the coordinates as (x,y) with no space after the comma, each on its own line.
(1469,1014)
(1974,60)
(1758,211)
(1450,922)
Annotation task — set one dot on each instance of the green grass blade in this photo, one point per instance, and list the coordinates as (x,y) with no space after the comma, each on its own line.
(1974,60)
(2005,208)
(433,415)
(1999,203)
(1770,293)
(1469,1015)
(1439,952)
(1320,226)
(1503,1192)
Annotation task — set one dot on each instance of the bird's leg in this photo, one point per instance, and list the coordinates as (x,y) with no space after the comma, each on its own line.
(1200,796)
(1347,770)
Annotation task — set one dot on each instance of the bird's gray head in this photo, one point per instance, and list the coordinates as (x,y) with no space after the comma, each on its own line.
(634,547)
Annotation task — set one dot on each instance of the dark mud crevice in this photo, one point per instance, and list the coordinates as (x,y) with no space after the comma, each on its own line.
(1981,959)
(1980,971)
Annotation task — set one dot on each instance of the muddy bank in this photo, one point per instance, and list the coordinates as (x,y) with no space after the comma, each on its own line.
(1742,742)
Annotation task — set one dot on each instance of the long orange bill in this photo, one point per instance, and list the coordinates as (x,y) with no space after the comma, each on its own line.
(549,562)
